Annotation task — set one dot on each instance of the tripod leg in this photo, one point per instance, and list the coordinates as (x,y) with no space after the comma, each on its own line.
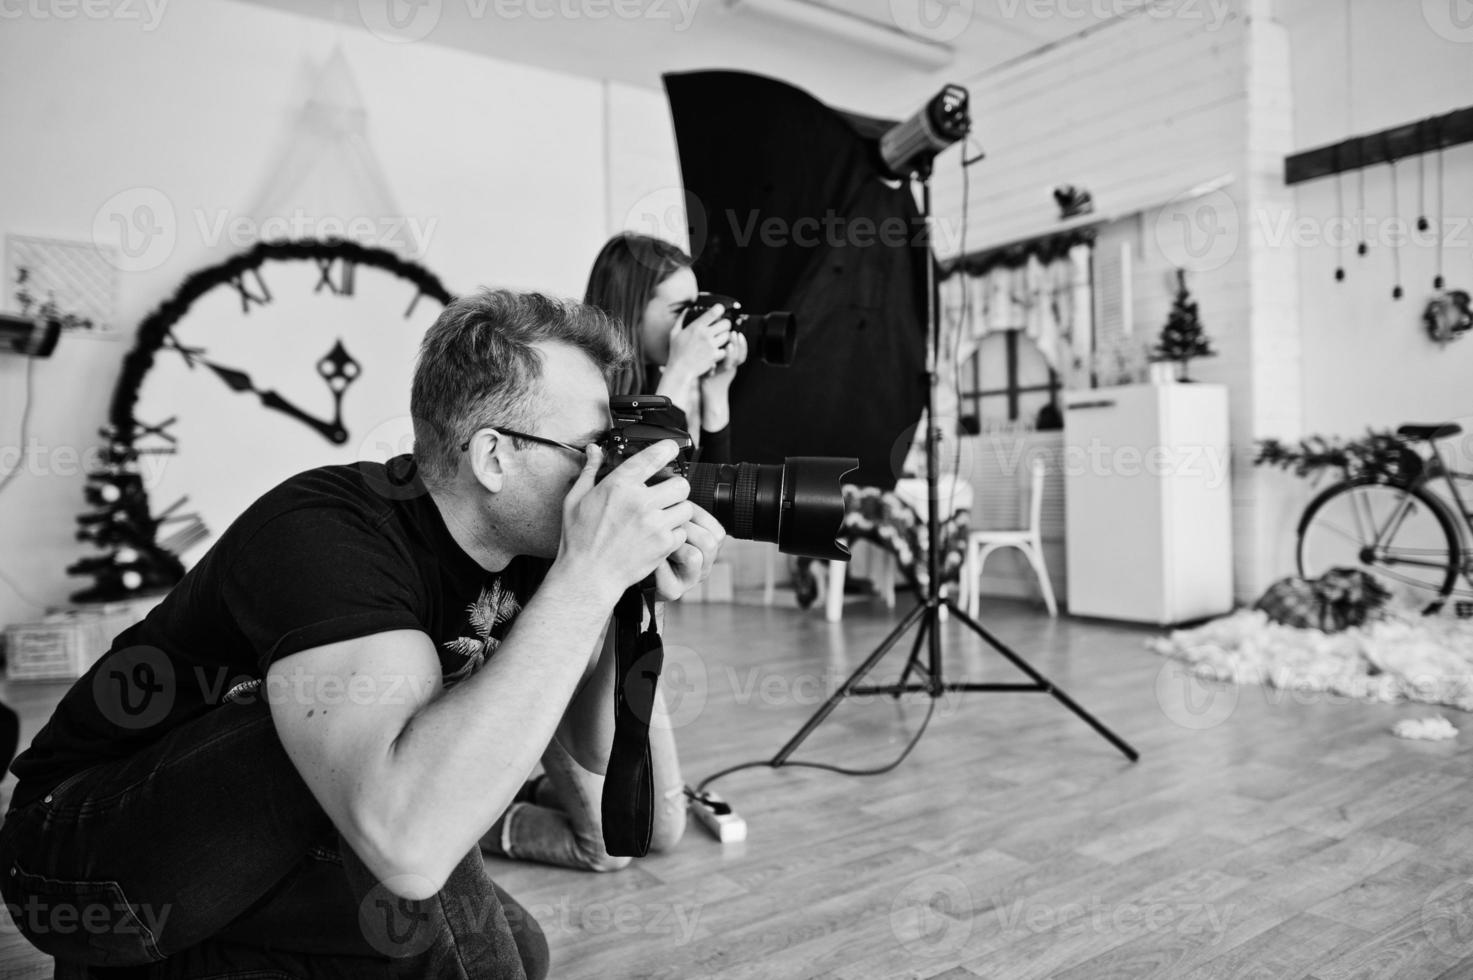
(915,654)
(1044,684)
(833,702)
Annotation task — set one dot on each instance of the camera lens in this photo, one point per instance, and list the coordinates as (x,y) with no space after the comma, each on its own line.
(799,505)
(773,336)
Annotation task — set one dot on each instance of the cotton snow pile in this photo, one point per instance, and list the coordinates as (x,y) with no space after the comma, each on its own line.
(1403,656)
(1428,729)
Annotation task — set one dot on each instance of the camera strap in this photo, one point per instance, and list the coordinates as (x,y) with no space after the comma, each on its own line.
(628,805)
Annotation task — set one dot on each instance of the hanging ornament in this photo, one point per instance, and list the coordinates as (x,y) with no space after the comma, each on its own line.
(1437,281)
(1360,176)
(1422,223)
(1448,316)
(1340,217)
(1396,290)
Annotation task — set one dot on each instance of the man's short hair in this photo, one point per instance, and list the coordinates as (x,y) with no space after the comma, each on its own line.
(478,367)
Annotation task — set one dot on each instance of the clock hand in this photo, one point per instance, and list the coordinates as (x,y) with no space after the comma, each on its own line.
(332,431)
(339,370)
(240,381)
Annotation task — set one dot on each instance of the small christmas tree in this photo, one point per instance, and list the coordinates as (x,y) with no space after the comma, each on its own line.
(120,522)
(1183,337)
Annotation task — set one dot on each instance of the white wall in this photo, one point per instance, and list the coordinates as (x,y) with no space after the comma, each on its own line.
(509,163)
(1135,113)
(1363,358)
(1140,113)
(644,189)
(1368,360)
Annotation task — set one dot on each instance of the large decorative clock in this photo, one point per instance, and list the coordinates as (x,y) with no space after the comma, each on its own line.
(287,356)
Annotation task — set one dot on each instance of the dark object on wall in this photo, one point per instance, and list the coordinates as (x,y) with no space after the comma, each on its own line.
(1397,143)
(789,210)
(1448,316)
(32,336)
(35,331)
(1073,201)
(1183,338)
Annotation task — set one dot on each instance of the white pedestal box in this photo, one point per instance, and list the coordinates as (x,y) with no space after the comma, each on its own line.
(1148,502)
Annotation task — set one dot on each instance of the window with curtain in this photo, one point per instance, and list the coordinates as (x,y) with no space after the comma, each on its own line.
(1023,319)
(1007,378)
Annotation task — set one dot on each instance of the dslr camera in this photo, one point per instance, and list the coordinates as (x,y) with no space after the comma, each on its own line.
(799,505)
(771,336)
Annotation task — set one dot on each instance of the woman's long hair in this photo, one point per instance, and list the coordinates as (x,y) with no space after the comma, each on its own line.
(625,275)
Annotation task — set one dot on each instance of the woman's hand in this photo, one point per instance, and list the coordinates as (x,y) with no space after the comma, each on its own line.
(697,347)
(716,386)
(718,381)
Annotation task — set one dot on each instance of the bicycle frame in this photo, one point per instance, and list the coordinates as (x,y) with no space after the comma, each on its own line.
(1462,513)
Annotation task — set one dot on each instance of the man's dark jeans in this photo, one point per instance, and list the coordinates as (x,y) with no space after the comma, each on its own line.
(205,855)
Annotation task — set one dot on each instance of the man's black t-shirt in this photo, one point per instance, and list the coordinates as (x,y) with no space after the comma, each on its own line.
(331,554)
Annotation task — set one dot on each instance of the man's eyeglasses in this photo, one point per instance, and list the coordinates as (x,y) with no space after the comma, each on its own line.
(583,451)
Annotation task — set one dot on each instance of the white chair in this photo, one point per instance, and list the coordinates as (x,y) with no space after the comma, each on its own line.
(1028,540)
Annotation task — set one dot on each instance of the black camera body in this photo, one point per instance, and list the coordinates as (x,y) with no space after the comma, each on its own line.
(772,336)
(640,421)
(799,505)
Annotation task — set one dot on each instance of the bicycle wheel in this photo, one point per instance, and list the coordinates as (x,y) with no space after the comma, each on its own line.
(1404,537)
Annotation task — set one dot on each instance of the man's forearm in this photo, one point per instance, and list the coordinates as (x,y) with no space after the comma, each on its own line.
(587,728)
(461,758)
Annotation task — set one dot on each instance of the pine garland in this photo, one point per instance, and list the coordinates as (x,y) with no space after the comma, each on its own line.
(1380,455)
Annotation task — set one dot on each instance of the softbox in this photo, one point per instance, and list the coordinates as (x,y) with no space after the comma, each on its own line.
(788,210)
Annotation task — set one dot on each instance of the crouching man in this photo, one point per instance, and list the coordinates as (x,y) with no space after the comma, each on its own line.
(285,770)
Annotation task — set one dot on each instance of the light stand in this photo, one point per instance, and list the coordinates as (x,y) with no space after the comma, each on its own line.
(928,611)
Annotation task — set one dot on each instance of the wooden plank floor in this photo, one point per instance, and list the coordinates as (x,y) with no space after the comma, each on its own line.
(1262,834)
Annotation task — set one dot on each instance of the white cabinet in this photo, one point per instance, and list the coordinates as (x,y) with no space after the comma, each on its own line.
(1148,502)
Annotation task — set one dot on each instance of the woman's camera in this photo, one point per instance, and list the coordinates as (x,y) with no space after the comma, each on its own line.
(774,336)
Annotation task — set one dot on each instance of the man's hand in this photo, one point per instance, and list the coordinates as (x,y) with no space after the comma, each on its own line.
(690,564)
(620,530)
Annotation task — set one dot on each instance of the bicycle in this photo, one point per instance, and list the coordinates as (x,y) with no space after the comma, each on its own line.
(1390,525)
